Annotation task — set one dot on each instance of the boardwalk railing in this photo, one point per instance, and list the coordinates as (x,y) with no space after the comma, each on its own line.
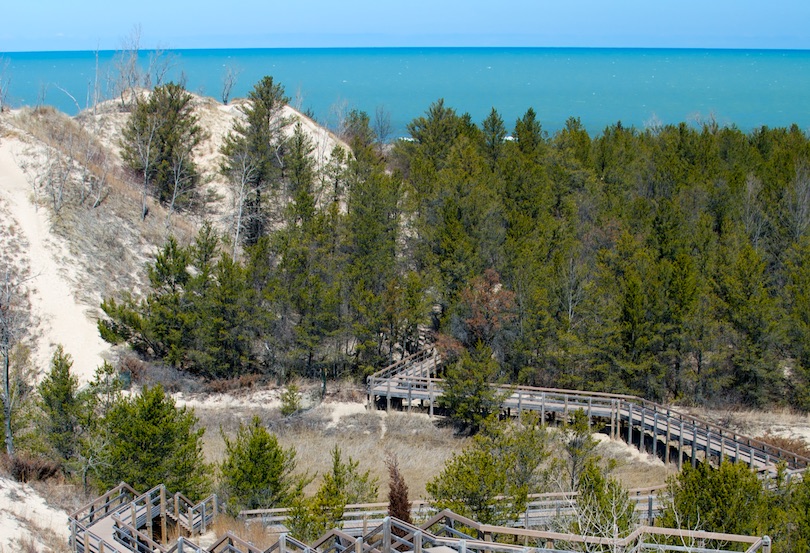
(123,520)
(541,509)
(129,532)
(413,382)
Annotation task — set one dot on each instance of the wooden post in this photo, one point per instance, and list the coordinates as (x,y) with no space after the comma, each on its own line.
(410,384)
(629,423)
(180,542)
(722,448)
(590,409)
(282,543)
(708,446)
(612,419)
(358,545)
(520,404)
(766,544)
(655,432)
(669,437)
(542,409)
(386,535)
(680,448)
(417,542)
(694,445)
(164,539)
(641,429)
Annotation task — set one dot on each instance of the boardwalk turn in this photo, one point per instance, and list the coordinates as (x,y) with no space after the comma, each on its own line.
(666,432)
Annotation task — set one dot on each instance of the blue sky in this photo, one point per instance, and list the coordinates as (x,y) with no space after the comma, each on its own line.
(89,24)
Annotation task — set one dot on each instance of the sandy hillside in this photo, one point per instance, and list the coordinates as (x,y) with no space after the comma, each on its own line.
(27,522)
(61,318)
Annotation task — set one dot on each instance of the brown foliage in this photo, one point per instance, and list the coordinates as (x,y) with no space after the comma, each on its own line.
(24,468)
(487,308)
(794,445)
(399,505)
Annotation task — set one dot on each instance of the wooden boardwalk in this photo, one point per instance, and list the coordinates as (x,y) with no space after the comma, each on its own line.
(128,520)
(670,434)
(123,521)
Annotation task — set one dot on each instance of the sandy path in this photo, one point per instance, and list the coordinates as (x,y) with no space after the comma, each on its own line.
(62,319)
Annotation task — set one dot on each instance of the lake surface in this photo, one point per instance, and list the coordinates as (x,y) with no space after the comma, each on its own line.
(639,87)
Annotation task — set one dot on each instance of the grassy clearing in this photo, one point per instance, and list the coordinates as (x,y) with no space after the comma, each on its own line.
(421,444)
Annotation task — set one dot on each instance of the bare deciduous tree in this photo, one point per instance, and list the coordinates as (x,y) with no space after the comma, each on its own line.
(228,82)
(242,174)
(14,319)
(382,127)
(5,79)
(797,203)
(753,214)
(127,75)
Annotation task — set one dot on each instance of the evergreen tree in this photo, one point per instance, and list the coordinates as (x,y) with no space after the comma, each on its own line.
(256,471)
(254,153)
(728,499)
(159,140)
(150,442)
(60,404)
(503,462)
(468,390)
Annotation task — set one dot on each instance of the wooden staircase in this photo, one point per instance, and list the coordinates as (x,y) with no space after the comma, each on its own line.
(123,520)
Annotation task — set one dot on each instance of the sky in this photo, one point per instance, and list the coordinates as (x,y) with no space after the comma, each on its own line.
(40,25)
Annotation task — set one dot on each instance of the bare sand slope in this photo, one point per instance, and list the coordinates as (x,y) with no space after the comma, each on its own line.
(26,519)
(62,319)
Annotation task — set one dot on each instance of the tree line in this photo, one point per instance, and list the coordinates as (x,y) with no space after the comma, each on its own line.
(669,262)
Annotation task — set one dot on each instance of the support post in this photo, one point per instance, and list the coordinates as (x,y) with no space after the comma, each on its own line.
(164,539)
(669,437)
(387,535)
(542,409)
(629,423)
(417,542)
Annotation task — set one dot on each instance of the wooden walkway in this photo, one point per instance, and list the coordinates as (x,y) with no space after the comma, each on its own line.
(124,517)
(674,436)
(124,521)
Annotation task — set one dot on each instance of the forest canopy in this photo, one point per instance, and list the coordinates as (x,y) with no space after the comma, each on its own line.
(671,262)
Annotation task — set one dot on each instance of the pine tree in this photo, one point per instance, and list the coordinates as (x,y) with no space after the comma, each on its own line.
(159,140)
(60,404)
(150,442)
(256,471)
(254,153)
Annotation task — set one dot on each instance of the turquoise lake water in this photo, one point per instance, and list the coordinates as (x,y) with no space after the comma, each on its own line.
(746,88)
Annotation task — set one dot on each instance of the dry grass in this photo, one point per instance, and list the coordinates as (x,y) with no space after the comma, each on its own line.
(422,445)
(256,534)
